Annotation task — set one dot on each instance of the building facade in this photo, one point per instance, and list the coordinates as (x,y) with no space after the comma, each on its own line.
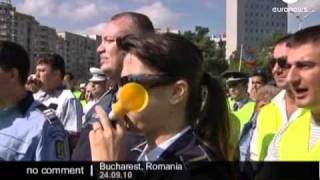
(6,20)
(249,22)
(78,51)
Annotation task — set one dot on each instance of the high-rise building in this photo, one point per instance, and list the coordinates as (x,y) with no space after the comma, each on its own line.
(6,20)
(249,22)
(79,53)
(25,32)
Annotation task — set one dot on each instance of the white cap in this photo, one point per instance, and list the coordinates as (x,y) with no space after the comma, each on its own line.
(83,85)
(97,75)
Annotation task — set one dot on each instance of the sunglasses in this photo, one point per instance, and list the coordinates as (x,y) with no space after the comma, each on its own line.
(148,80)
(282,62)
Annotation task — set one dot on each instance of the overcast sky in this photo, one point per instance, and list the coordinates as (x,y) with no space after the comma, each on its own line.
(88,16)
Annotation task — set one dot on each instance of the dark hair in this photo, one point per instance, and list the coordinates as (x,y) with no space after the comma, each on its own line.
(261,74)
(307,35)
(283,39)
(13,55)
(55,61)
(140,25)
(177,57)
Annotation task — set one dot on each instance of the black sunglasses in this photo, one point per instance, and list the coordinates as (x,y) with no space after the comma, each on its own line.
(282,62)
(148,80)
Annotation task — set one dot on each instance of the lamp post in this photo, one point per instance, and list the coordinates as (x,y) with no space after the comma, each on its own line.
(301,18)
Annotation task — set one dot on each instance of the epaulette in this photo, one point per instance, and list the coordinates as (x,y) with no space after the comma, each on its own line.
(49,113)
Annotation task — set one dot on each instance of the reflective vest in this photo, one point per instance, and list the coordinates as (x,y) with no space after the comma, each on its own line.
(268,123)
(244,114)
(77,94)
(294,142)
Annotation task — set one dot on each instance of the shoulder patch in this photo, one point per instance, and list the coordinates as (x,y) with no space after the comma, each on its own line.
(49,113)
(60,149)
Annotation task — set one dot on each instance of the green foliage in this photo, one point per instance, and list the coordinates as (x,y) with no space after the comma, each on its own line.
(213,53)
(234,63)
(262,56)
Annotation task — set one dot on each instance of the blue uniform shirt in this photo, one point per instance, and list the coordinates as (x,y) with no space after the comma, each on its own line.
(30,132)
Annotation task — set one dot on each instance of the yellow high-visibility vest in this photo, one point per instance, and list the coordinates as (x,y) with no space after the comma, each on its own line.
(77,93)
(245,112)
(294,142)
(269,121)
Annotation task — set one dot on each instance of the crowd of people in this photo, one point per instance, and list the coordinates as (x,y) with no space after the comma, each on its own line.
(191,117)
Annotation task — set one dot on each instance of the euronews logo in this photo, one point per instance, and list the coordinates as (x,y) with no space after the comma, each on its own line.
(290,8)
(290,1)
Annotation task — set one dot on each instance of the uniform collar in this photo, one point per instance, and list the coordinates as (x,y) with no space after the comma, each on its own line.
(24,104)
(156,152)
(170,153)
(242,102)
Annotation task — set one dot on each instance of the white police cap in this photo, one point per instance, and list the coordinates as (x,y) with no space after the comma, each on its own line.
(97,75)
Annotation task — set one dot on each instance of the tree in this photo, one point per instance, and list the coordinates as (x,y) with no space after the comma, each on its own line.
(261,56)
(213,53)
(245,65)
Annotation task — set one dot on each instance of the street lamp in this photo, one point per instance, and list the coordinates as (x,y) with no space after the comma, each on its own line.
(301,18)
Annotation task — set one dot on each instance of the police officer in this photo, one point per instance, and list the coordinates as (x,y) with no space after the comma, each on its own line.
(28,130)
(50,71)
(239,102)
(99,87)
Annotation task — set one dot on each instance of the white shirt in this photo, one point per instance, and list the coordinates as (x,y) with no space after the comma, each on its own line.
(68,109)
(154,154)
(279,100)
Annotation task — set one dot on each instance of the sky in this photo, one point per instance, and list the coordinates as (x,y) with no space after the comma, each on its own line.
(89,16)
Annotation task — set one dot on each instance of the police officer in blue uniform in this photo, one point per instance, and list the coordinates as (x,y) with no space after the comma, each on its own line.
(50,70)
(28,130)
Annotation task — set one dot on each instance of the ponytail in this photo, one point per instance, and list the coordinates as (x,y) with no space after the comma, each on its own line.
(213,125)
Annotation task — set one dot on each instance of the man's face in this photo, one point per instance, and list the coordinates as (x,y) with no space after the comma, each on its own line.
(280,74)
(256,82)
(304,73)
(98,88)
(237,90)
(110,60)
(45,75)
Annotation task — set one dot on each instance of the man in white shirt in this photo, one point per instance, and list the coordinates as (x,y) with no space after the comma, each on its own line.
(280,111)
(299,140)
(50,71)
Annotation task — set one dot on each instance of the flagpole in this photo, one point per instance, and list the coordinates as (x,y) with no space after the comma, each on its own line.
(240,61)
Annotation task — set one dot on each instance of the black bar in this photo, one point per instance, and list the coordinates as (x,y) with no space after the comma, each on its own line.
(136,170)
